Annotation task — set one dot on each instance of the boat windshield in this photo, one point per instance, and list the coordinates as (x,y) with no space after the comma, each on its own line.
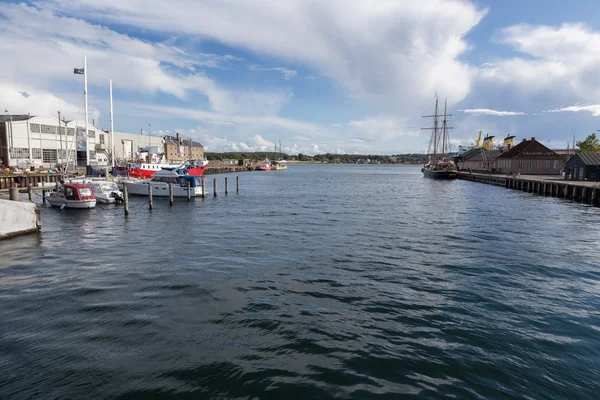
(85,192)
(109,187)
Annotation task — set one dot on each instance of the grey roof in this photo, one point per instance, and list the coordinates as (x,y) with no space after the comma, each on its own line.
(590,158)
(16,117)
(476,154)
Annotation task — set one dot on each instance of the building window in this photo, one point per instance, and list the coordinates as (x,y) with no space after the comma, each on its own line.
(101,139)
(49,129)
(91,134)
(34,128)
(520,164)
(529,163)
(61,131)
(538,164)
(36,153)
(547,164)
(556,164)
(49,156)
(19,152)
(71,131)
(92,155)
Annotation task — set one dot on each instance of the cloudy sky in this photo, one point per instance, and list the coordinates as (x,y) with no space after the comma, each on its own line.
(339,76)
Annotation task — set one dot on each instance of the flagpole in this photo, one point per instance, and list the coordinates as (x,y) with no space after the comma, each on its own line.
(87,149)
(112,129)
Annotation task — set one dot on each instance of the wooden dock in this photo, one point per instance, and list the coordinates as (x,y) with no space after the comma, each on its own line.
(581,192)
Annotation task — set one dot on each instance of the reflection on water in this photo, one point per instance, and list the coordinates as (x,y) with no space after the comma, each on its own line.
(318,281)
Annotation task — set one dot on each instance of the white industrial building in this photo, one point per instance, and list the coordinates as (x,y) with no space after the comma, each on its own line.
(42,142)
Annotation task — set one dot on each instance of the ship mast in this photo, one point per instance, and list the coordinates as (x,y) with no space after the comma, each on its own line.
(444,130)
(435,128)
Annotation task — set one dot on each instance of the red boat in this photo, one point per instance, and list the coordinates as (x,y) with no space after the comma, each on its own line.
(146,170)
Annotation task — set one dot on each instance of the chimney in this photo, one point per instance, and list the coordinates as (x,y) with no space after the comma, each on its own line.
(178,138)
(508,146)
(524,140)
(532,138)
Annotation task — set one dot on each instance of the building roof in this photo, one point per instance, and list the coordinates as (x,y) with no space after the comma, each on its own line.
(173,141)
(531,149)
(590,158)
(477,153)
(15,117)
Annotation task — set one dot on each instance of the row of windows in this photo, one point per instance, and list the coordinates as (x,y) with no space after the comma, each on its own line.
(37,128)
(538,164)
(47,155)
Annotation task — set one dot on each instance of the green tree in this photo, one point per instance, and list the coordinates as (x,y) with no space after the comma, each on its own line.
(301,157)
(591,143)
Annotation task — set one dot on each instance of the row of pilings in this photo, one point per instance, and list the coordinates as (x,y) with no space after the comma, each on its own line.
(570,191)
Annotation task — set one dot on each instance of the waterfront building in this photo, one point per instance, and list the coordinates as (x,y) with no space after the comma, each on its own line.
(178,149)
(583,166)
(478,159)
(132,146)
(529,157)
(43,141)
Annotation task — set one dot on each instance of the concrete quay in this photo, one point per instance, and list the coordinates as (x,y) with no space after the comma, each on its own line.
(554,186)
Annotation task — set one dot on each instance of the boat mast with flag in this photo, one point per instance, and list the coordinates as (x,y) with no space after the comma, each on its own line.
(439,165)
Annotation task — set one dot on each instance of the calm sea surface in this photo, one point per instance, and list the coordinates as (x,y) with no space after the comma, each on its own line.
(315,282)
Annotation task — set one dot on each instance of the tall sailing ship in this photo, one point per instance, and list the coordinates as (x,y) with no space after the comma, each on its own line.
(439,165)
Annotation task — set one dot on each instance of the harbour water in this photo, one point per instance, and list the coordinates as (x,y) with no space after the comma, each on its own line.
(342,281)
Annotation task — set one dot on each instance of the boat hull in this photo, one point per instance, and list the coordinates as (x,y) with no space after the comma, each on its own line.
(444,174)
(147,173)
(158,190)
(76,204)
(263,168)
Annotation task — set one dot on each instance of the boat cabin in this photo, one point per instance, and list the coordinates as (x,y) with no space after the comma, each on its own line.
(176,176)
(77,191)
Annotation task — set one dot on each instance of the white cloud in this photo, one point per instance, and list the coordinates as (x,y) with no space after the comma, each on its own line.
(380,128)
(487,111)
(31,33)
(287,73)
(592,108)
(301,138)
(562,60)
(417,45)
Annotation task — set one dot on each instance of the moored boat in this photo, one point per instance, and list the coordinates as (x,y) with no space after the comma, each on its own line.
(72,195)
(279,165)
(439,166)
(178,178)
(264,166)
(106,192)
(147,170)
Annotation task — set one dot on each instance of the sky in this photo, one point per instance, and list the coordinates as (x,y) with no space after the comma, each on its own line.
(337,76)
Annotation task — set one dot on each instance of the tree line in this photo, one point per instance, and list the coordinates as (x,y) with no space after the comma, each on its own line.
(323,158)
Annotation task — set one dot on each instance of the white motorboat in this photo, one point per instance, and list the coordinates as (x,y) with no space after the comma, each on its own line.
(106,192)
(72,195)
(160,184)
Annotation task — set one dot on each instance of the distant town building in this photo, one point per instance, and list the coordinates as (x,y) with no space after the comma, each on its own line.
(529,157)
(583,167)
(178,149)
(41,141)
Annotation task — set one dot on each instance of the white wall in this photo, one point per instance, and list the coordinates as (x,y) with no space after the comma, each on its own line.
(17,218)
(40,132)
(127,142)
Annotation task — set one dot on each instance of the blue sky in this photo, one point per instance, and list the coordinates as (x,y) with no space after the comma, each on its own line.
(338,76)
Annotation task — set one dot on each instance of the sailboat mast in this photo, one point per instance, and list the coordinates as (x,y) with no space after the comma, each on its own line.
(444,133)
(435,128)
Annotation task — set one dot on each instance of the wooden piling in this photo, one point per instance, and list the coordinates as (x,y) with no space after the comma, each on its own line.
(150,197)
(170,193)
(593,197)
(125,200)
(226,185)
(237,184)
(565,191)
(189,192)
(215,186)
(13,193)
(43,197)
(583,193)
(203,188)
(29,194)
